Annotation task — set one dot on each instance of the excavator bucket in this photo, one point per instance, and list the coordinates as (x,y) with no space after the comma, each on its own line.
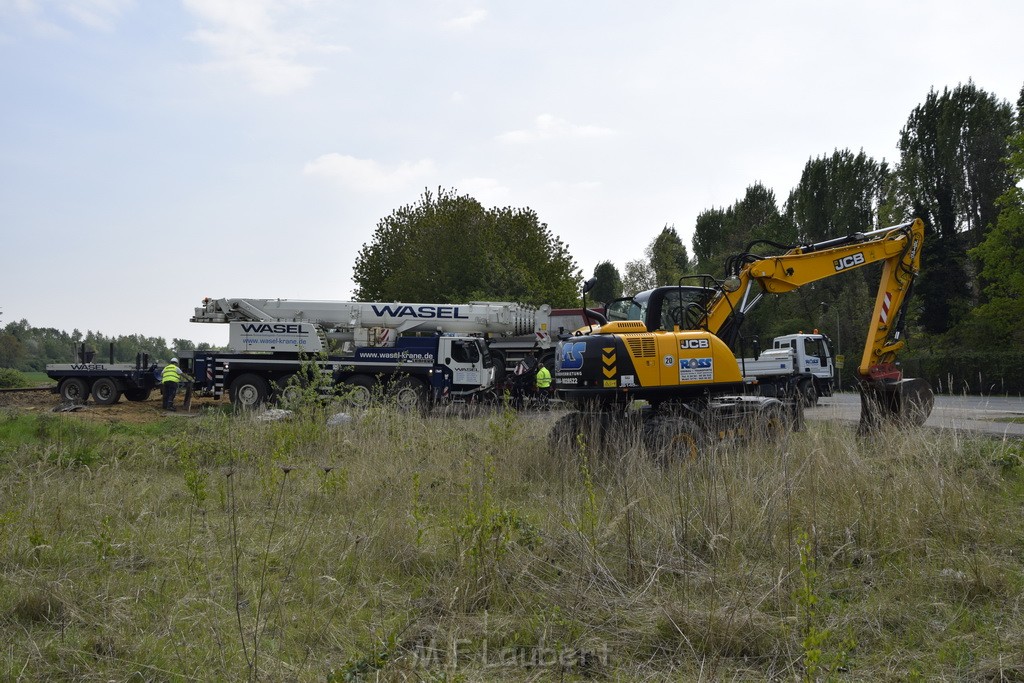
(905,402)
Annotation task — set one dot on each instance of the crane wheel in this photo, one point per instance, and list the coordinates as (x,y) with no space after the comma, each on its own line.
(410,394)
(249,391)
(359,391)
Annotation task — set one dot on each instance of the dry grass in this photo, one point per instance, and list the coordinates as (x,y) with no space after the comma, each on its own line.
(459,548)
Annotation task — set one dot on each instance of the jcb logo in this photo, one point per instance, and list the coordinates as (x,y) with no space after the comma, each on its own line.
(693,343)
(571,357)
(849,261)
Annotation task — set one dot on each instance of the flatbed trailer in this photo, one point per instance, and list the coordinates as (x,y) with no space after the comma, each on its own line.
(106,382)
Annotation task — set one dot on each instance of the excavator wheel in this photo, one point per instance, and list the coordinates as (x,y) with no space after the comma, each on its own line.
(673,438)
(905,403)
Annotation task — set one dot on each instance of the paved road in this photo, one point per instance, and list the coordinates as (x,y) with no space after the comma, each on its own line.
(968,413)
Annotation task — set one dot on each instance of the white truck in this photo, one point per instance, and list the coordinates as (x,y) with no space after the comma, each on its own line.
(797,365)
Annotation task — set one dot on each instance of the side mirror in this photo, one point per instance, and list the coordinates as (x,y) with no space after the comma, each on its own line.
(589,284)
(731,284)
(756,343)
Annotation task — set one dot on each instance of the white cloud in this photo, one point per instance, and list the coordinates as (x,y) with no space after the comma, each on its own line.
(366,174)
(246,37)
(466,22)
(97,14)
(548,127)
(45,17)
(487,191)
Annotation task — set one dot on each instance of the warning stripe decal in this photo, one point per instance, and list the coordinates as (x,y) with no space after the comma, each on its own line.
(886,302)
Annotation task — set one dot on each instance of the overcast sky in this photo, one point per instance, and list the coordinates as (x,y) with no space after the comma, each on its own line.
(155,153)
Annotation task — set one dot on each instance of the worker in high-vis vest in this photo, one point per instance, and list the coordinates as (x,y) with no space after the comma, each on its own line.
(170,378)
(543,382)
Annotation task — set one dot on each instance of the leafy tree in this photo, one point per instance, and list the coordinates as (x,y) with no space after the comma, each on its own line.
(668,256)
(609,282)
(1000,256)
(720,233)
(953,153)
(837,195)
(11,351)
(708,238)
(448,248)
(638,276)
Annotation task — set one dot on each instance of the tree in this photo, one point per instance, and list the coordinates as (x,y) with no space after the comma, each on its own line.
(1000,256)
(952,169)
(609,282)
(638,276)
(837,195)
(668,257)
(720,233)
(448,248)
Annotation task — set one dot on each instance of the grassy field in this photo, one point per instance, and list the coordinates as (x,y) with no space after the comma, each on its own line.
(401,547)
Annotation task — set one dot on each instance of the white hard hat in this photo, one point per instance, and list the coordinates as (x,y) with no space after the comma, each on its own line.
(174,361)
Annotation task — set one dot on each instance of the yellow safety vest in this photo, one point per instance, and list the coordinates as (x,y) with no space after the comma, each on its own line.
(171,373)
(543,378)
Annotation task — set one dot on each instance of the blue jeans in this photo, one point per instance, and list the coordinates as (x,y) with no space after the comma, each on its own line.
(170,391)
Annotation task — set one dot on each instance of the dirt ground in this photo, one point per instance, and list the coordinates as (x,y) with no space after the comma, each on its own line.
(122,411)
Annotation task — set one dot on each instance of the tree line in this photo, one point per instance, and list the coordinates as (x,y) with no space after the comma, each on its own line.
(29,349)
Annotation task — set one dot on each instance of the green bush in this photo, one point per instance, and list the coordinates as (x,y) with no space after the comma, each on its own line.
(969,372)
(12,379)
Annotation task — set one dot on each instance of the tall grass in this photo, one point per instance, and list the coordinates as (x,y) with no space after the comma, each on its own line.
(403,546)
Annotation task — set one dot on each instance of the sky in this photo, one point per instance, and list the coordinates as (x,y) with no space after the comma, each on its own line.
(156,153)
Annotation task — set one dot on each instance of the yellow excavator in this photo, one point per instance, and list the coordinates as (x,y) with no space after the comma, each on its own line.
(671,347)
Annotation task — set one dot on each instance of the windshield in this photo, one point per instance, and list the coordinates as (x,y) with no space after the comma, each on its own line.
(628,308)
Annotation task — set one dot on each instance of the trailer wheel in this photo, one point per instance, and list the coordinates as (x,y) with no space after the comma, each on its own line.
(74,390)
(137,394)
(249,391)
(410,394)
(671,438)
(359,390)
(105,391)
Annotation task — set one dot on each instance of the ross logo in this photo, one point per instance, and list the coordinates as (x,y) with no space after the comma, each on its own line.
(849,261)
(572,355)
(693,343)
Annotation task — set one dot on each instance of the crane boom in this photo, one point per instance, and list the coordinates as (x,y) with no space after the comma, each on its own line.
(363,322)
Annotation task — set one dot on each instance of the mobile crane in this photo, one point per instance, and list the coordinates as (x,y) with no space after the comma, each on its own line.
(512,331)
(671,347)
(267,335)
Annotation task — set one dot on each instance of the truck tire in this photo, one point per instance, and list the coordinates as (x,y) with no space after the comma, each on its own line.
(249,391)
(359,390)
(74,390)
(808,393)
(410,394)
(500,371)
(105,391)
(137,393)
